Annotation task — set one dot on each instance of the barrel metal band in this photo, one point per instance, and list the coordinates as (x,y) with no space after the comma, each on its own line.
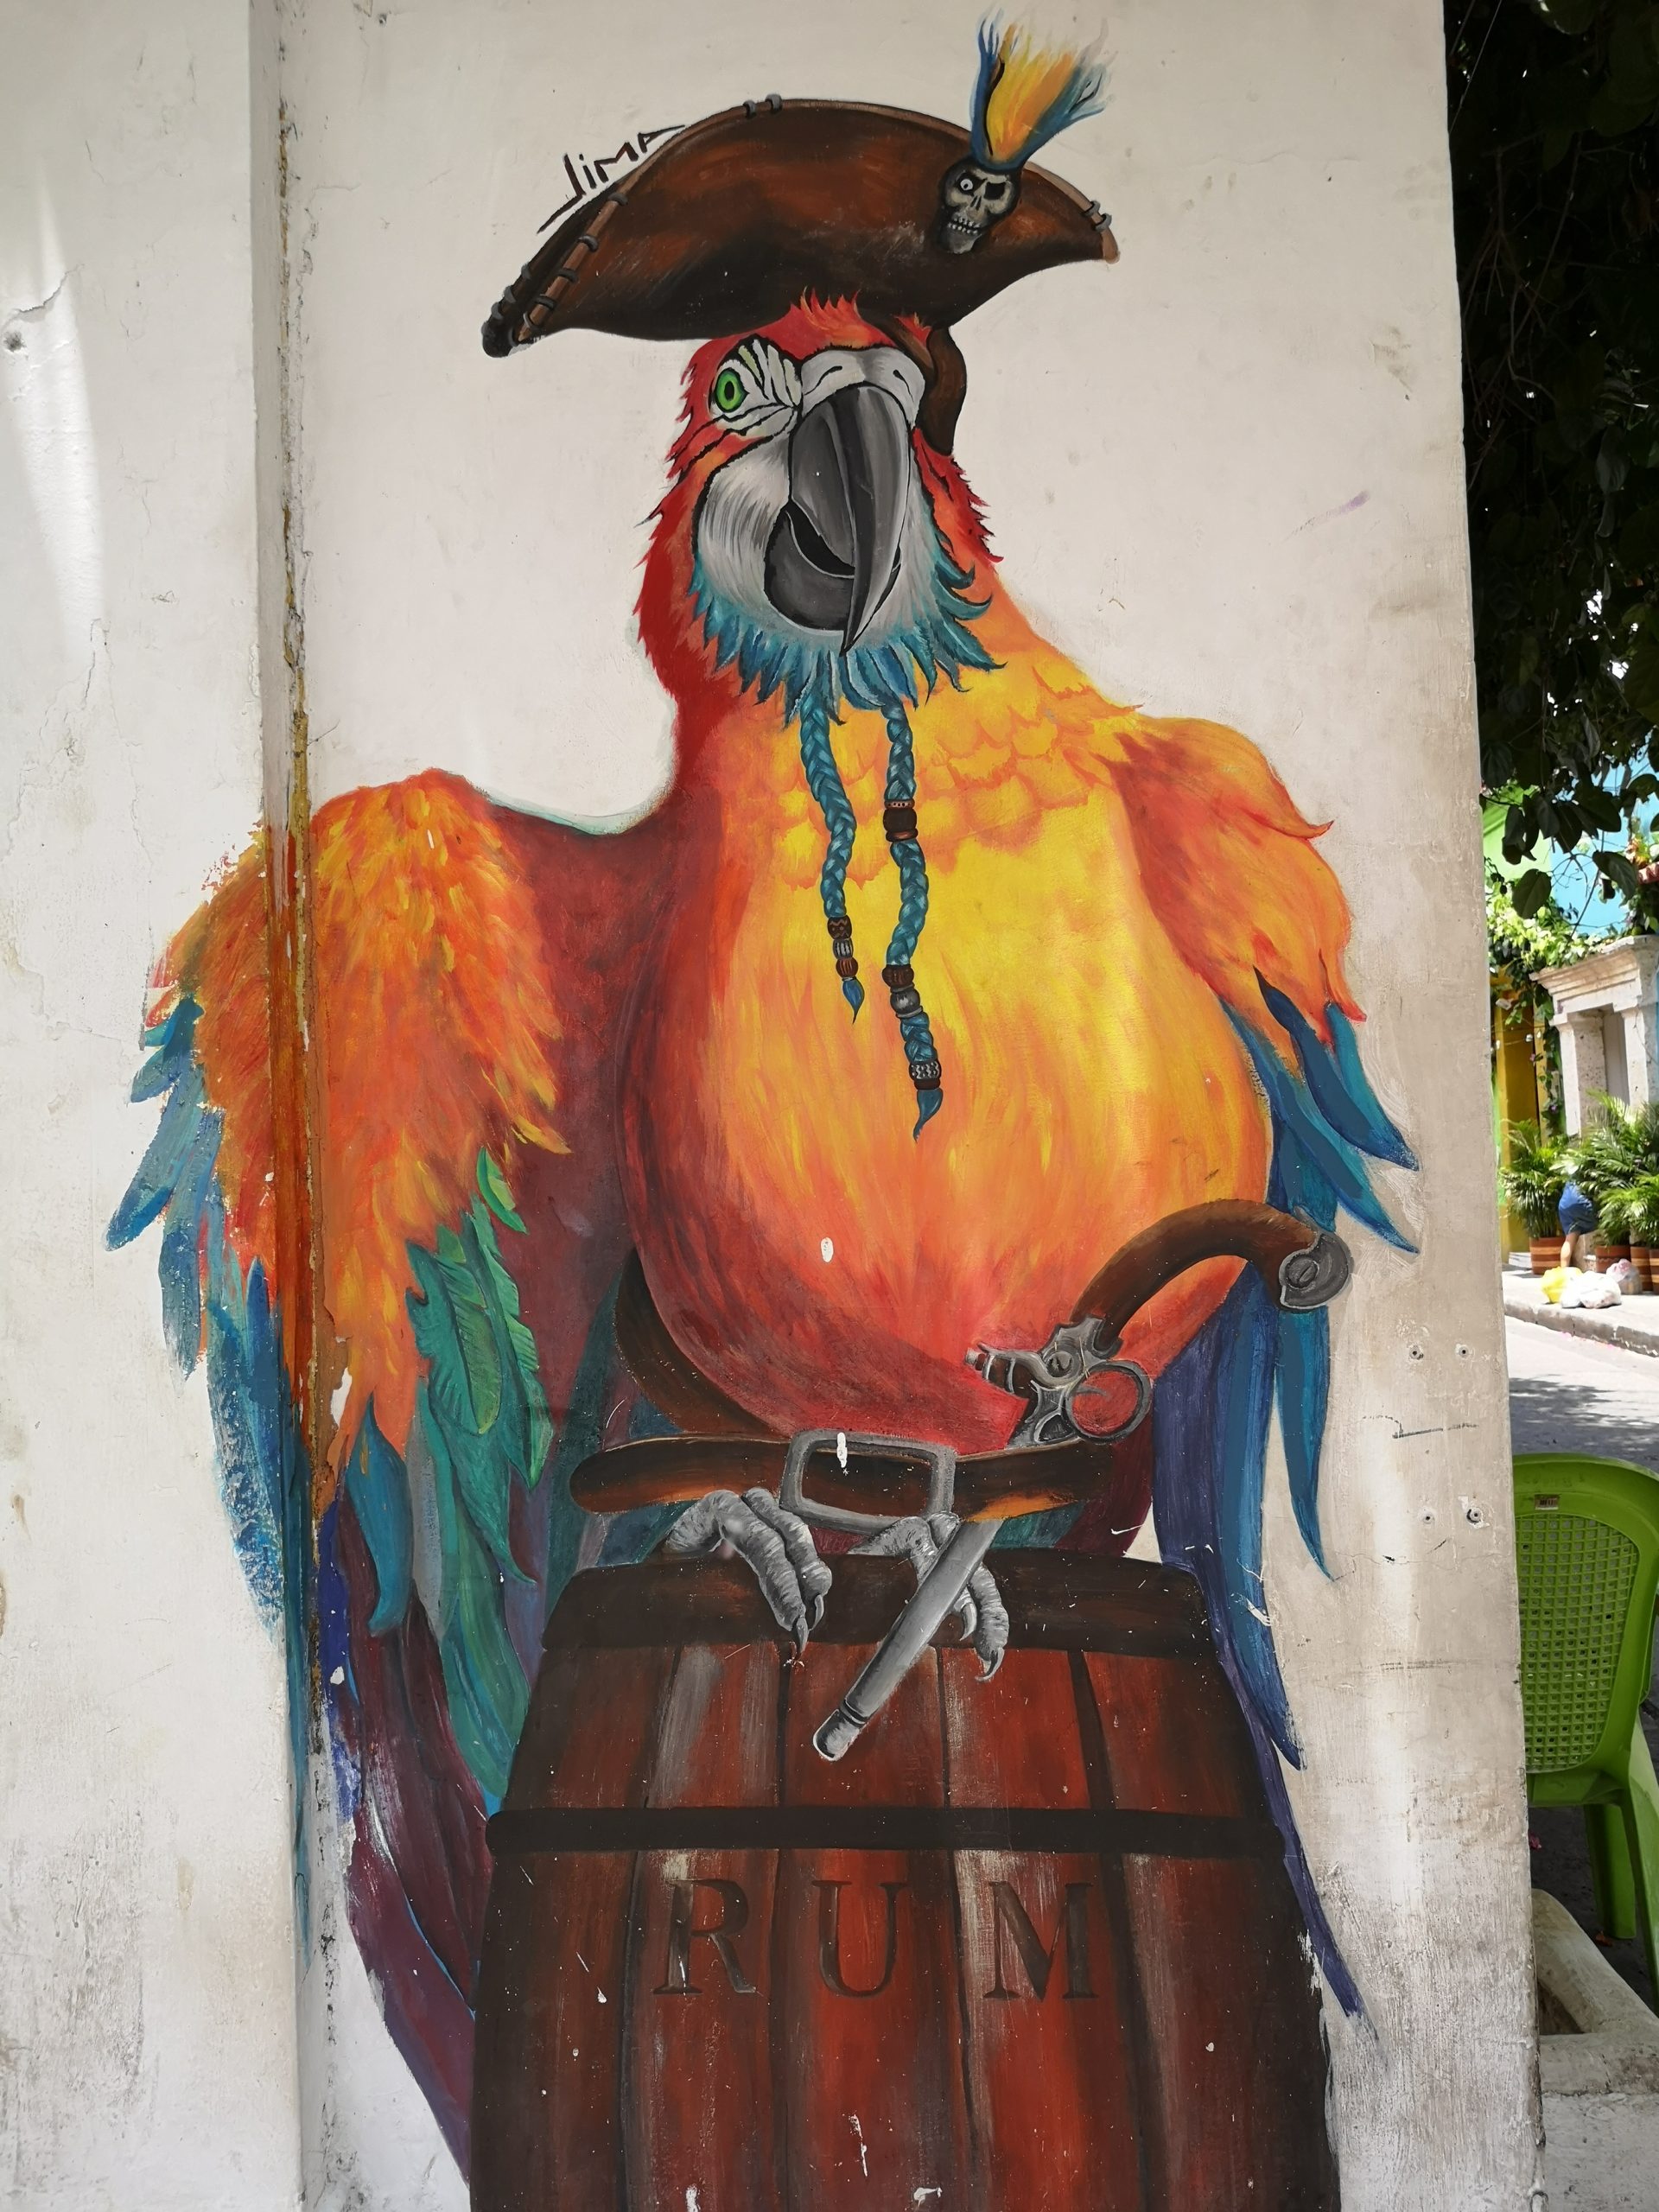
(531,1832)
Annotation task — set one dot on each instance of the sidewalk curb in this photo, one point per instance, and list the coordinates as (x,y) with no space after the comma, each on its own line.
(1604,1327)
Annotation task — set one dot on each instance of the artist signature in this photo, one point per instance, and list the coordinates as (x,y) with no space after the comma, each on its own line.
(588,176)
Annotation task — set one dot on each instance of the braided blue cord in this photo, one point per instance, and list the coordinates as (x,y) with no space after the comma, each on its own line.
(912,864)
(824,781)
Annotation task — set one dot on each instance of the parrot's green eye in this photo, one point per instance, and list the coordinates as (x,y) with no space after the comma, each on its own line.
(728,394)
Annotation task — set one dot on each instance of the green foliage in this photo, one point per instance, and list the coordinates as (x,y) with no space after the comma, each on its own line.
(1538,1170)
(1518,947)
(1555,184)
(1616,1164)
(1545,938)
(1630,1213)
(1622,1147)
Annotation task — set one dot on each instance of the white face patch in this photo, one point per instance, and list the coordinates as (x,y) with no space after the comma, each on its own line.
(735,518)
(743,500)
(756,391)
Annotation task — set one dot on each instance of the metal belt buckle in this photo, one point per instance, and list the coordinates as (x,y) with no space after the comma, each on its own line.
(939,1459)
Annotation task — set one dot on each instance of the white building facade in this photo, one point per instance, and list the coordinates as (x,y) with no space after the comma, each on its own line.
(1607,1014)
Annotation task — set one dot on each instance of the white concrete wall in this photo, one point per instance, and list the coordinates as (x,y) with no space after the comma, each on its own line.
(1227,475)
(147,2021)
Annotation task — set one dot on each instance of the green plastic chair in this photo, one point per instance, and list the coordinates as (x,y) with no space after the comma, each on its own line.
(1587,1557)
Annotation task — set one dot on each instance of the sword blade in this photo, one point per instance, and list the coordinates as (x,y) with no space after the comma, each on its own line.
(935,1598)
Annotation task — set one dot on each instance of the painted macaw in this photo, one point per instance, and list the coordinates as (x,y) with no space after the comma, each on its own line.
(1114,958)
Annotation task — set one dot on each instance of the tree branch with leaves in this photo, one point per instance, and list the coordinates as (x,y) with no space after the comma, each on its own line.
(1554,118)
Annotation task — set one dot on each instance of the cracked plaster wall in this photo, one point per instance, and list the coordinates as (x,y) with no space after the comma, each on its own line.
(147,2022)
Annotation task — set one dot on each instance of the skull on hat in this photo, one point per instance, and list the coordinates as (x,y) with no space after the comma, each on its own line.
(973,199)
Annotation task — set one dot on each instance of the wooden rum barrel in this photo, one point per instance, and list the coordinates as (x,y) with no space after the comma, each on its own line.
(1029,1948)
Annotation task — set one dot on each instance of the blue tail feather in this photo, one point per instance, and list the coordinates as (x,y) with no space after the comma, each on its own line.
(1337,1080)
(170,1044)
(377,1483)
(1214,1403)
(179,1266)
(163,1165)
(1304,1379)
(1338,1160)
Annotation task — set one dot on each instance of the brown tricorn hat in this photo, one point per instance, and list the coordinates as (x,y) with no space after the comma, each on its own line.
(724,228)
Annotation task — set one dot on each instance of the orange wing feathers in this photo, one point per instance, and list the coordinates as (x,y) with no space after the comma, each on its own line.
(221,959)
(1228,865)
(439,1039)
(437,1035)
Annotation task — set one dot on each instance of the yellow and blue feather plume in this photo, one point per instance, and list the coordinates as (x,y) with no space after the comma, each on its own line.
(1025,94)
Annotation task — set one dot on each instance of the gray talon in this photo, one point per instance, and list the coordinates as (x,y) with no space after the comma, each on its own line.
(990,1637)
(776,1546)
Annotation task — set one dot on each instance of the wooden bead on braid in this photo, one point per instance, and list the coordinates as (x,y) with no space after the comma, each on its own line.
(841,944)
(899,823)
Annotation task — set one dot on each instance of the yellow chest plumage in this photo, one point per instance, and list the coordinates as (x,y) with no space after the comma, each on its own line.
(821,1262)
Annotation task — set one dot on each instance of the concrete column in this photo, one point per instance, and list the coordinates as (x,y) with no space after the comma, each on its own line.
(1584,1068)
(1642,1051)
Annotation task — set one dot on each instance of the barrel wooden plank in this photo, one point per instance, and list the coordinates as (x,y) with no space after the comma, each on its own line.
(1233,2018)
(696,2089)
(866,2026)
(1173,1735)
(591,1731)
(1230,2015)
(1052,2086)
(547,2069)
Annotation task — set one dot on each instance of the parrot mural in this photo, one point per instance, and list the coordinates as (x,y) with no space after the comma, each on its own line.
(557,1076)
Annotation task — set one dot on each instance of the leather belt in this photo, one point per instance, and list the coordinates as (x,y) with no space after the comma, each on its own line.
(726,1447)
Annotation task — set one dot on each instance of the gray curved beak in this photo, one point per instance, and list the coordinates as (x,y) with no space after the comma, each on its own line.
(834,555)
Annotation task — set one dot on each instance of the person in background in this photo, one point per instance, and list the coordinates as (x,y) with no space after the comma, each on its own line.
(1578,1219)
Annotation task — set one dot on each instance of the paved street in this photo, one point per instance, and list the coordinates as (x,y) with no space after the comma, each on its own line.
(1567,1395)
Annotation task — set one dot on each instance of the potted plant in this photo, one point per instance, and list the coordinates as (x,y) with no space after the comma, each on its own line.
(1613,1208)
(1604,1159)
(1532,1180)
(1632,1209)
(1610,1162)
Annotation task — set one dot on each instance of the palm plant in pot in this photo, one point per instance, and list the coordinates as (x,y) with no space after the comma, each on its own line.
(1612,1164)
(1608,1158)
(1631,1210)
(1532,1180)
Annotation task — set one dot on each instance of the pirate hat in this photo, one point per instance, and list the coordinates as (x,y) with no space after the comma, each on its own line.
(721,229)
